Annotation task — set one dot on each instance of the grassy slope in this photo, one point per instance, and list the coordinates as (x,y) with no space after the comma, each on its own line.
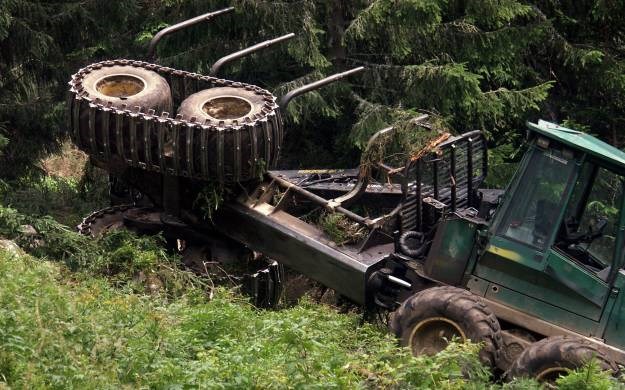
(73,331)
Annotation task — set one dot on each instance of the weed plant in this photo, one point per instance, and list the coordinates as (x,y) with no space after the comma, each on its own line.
(67,200)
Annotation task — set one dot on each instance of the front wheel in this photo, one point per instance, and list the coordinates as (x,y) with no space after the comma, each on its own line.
(548,359)
(428,320)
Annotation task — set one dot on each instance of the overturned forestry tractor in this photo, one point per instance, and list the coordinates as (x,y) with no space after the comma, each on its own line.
(534,273)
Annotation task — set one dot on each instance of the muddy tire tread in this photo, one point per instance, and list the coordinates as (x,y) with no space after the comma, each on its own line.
(476,319)
(558,351)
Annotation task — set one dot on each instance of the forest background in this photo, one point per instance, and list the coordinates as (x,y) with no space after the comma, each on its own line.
(480,64)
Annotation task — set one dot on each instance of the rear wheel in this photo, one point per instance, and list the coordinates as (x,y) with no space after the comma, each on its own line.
(129,85)
(225,105)
(428,320)
(549,358)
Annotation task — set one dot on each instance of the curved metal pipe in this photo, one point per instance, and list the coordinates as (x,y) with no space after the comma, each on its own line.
(364,173)
(184,24)
(286,99)
(242,53)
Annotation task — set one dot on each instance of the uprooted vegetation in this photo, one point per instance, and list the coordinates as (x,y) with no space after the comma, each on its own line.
(409,139)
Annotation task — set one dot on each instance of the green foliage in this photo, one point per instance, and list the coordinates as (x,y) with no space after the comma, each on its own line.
(41,43)
(589,377)
(465,61)
(411,19)
(209,199)
(126,259)
(309,106)
(485,64)
(406,140)
(4,141)
(57,330)
(67,200)
(340,229)
(501,167)
(10,222)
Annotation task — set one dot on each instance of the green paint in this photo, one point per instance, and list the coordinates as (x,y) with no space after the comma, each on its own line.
(528,259)
(541,309)
(451,250)
(615,328)
(578,140)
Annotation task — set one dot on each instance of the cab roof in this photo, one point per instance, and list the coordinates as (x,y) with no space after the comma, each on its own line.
(580,141)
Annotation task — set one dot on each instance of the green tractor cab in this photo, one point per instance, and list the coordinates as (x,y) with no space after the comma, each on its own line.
(550,259)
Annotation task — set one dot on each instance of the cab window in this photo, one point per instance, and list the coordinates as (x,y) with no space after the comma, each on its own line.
(589,228)
(534,210)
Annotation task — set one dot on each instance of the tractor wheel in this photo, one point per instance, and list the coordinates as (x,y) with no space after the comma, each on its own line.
(103,221)
(245,131)
(116,85)
(223,104)
(129,85)
(428,320)
(141,220)
(551,357)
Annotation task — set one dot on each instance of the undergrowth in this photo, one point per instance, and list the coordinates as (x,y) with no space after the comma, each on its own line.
(409,139)
(66,332)
(75,313)
(68,200)
(127,260)
(340,229)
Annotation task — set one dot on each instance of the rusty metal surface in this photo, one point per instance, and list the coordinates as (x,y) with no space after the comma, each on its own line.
(247,51)
(339,181)
(184,24)
(286,99)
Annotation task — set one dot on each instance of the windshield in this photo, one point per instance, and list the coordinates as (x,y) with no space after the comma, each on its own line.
(532,215)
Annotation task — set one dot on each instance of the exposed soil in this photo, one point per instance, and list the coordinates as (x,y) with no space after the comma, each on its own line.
(69,163)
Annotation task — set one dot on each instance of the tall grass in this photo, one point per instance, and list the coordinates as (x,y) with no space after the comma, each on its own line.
(65,330)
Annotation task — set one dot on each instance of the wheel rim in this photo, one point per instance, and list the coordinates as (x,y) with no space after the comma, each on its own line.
(433,334)
(550,375)
(120,86)
(227,107)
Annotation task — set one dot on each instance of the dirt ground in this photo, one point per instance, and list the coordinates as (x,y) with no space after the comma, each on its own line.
(69,163)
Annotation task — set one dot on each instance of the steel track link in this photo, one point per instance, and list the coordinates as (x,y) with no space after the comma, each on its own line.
(172,144)
(85,227)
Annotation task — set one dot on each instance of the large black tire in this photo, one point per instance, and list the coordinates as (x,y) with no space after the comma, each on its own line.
(103,221)
(234,141)
(120,86)
(551,357)
(129,85)
(224,106)
(430,318)
(248,123)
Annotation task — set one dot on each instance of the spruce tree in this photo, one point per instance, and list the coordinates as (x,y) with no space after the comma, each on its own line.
(483,64)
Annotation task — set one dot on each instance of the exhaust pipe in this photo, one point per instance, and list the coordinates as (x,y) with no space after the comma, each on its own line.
(182,25)
(242,53)
(286,99)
